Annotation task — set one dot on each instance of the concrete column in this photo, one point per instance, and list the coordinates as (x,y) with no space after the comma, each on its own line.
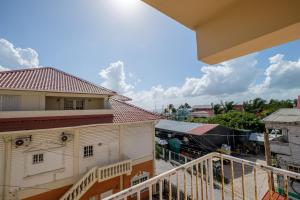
(76,153)
(7,166)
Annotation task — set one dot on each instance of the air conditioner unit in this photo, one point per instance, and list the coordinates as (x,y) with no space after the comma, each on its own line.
(22,141)
(65,137)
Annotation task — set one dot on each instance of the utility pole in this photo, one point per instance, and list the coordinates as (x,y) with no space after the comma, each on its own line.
(268,157)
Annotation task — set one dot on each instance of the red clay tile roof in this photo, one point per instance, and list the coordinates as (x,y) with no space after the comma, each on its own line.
(48,79)
(121,98)
(275,196)
(203,129)
(124,112)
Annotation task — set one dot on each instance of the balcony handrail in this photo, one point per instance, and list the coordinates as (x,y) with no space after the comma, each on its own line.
(114,170)
(208,161)
(79,189)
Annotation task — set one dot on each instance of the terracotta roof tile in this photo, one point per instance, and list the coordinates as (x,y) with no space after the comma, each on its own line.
(124,112)
(48,79)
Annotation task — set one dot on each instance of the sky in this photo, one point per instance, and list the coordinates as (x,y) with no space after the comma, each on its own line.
(129,47)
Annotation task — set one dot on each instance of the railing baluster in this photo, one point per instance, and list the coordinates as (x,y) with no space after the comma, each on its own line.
(255,184)
(270,185)
(206,179)
(192,184)
(160,190)
(202,181)
(211,179)
(184,181)
(178,185)
(243,180)
(286,187)
(232,180)
(222,177)
(139,195)
(150,192)
(170,187)
(197,181)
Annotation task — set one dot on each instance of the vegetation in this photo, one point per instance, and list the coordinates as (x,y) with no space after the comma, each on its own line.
(249,118)
(234,119)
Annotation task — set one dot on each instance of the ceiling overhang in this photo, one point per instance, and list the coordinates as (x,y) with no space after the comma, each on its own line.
(231,28)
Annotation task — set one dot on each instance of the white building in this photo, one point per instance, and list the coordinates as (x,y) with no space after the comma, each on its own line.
(62,137)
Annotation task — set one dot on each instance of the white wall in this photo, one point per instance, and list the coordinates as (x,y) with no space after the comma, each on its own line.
(1,166)
(137,141)
(58,160)
(105,140)
(61,161)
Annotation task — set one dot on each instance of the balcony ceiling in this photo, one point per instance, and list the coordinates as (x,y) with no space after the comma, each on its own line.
(231,28)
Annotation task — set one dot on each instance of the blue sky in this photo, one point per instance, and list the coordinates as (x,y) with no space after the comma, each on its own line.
(156,54)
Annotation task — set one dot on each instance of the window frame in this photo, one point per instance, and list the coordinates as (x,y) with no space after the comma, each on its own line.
(88,151)
(38,158)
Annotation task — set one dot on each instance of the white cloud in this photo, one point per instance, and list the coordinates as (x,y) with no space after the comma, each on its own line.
(115,78)
(232,80)
(282,74)
(12,57)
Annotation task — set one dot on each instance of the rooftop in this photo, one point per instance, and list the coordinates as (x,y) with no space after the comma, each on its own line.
(50,80)
(284,115)
(185,127)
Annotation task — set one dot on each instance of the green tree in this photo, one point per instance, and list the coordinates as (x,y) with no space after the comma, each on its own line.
(217,108)
(228,106)
(235,119)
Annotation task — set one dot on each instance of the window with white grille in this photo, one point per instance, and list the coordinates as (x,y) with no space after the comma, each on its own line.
(139,178)
(88,151)
(37,158)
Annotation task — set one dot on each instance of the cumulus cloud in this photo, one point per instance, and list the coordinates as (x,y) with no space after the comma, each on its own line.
(232,80)
(282,74)
(115,78)
(12,57)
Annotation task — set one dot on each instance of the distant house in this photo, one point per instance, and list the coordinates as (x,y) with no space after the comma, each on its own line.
(285,148)
(197,139)
(204,111)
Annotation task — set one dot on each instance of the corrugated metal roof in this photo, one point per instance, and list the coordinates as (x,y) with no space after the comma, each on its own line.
(202,107)
(285,115)
(48,79)
(184,127)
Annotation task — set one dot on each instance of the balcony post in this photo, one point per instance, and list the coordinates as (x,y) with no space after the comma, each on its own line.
(268,157)
(211,179)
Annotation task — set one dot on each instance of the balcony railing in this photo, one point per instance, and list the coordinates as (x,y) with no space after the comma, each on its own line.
(214,176)
(97,174)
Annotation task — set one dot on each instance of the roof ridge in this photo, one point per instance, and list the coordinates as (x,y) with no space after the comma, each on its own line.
(134,106)
(23,69)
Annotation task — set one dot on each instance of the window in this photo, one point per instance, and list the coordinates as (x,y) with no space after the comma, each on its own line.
(37,158)
(71,104)
(139,178)
(88,151)
(294,169)
(10,103)
(79,104)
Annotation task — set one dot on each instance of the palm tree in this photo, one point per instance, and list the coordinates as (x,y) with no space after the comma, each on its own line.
(217,108)
(228,106)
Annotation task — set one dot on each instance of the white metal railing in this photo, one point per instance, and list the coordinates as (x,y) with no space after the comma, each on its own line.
(97,174)
(214,176)
(77,190)
(114,170)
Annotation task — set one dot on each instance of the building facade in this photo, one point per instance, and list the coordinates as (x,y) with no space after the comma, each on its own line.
(285,147)
(64,138)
